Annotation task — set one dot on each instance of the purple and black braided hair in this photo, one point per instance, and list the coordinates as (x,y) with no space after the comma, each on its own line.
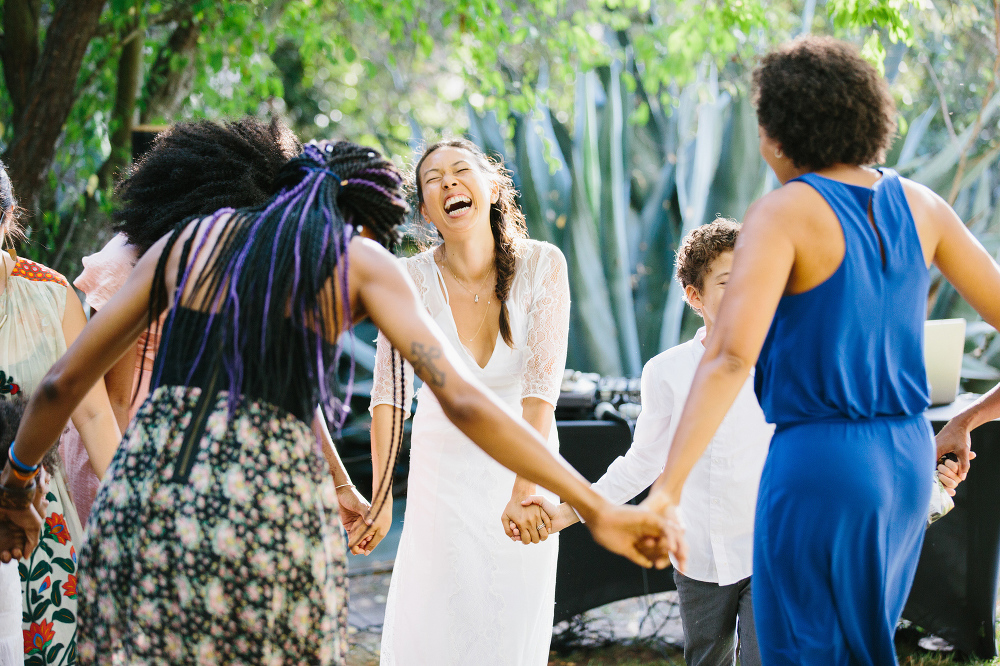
(281,263)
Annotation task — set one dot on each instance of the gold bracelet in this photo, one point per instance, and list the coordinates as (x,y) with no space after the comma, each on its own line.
(344,485)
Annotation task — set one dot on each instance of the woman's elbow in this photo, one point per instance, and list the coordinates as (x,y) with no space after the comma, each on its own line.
(462,406)
(53,388)
(731,362)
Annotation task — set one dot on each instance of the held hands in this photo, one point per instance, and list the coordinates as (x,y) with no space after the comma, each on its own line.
(948,474)
(525,521)
(377,527)
(954,438)
(20,528)
(353,509)
(19,532)
(661,505)
(642,535)
(562,516)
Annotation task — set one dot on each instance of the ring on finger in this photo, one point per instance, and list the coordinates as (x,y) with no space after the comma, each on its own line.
(540,526)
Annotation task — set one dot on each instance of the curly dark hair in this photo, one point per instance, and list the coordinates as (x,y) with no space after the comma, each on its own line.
(700,248)
(824,104)
(196,168)
(506,221)
(11,412)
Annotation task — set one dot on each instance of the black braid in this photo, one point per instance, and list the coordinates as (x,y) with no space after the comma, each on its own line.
(270,269)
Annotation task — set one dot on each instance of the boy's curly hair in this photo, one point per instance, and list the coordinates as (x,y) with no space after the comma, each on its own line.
(699,249)
(824,104)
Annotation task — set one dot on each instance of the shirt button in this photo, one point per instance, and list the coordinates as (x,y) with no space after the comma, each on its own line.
(715,500)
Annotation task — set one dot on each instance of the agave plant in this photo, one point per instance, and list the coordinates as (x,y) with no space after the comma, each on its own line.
(617,196)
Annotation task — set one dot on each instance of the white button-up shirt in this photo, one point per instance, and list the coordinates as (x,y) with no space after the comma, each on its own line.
(720,494)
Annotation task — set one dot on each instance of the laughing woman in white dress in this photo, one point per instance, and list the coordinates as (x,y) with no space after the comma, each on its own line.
(463,591)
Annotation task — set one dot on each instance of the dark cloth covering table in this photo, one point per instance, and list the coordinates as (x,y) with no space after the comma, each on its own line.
(954,593)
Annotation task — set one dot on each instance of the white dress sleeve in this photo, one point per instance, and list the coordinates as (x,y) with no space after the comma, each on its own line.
(384,391)
(548,326)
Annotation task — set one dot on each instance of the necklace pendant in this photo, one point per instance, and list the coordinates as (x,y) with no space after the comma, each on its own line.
(477,298)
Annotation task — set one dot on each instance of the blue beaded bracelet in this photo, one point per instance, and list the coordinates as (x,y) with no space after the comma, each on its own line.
(17,464)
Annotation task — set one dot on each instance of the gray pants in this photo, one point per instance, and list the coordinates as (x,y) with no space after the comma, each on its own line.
(712,616)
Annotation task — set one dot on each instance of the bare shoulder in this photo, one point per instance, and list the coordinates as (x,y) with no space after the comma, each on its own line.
(791,199)
(369,261)
(924,201)
(787,211)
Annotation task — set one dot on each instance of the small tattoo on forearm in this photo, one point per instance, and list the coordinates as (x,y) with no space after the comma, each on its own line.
(423,364)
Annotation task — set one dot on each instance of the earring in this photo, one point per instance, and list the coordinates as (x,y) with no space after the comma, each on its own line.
(778,153)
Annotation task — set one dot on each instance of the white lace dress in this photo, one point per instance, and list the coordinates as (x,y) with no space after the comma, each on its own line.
(462,592)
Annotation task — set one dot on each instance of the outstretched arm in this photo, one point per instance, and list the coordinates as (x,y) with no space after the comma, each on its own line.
(632,473)
(523,520)
(546,341)
(94,418)
(762,264)
(972,271)
(386,295)
(352,507)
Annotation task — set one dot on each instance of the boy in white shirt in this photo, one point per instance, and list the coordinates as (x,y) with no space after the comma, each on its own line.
(720,495)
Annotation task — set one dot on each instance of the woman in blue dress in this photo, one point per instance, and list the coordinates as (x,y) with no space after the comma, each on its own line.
(827,296)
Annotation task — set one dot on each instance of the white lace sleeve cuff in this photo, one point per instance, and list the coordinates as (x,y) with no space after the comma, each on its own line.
(385,391)
(548,326)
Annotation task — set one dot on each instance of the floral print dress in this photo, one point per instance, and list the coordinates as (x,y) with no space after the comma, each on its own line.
(215,548)
(49,583)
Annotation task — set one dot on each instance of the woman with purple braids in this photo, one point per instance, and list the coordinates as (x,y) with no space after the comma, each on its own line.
(212,539)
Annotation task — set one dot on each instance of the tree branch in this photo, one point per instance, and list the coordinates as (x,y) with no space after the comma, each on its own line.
(941,99)
(174,13)
(167,84)
(978,125)
(51,95)
(126,93)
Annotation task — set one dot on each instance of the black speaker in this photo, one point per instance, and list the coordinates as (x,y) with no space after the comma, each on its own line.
(588,575)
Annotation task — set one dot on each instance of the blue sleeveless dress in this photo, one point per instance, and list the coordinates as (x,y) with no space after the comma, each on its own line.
(845,490)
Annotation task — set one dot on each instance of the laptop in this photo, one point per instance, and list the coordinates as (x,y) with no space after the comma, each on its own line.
(944,346)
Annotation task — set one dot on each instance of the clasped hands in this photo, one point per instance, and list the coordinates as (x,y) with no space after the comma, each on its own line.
(650,535)
(953,438)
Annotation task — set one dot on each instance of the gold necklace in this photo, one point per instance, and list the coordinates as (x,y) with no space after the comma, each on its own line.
(480,323)
(461,284)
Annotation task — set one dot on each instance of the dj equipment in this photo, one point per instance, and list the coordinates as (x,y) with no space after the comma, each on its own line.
(583,394)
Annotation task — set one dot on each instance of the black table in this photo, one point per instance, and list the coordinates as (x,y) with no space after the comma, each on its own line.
(955,590)
(954,594)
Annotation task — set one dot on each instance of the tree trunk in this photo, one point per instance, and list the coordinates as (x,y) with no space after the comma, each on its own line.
(94,222)
(51,95)
(171,78)
(129,66)
(20,50)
